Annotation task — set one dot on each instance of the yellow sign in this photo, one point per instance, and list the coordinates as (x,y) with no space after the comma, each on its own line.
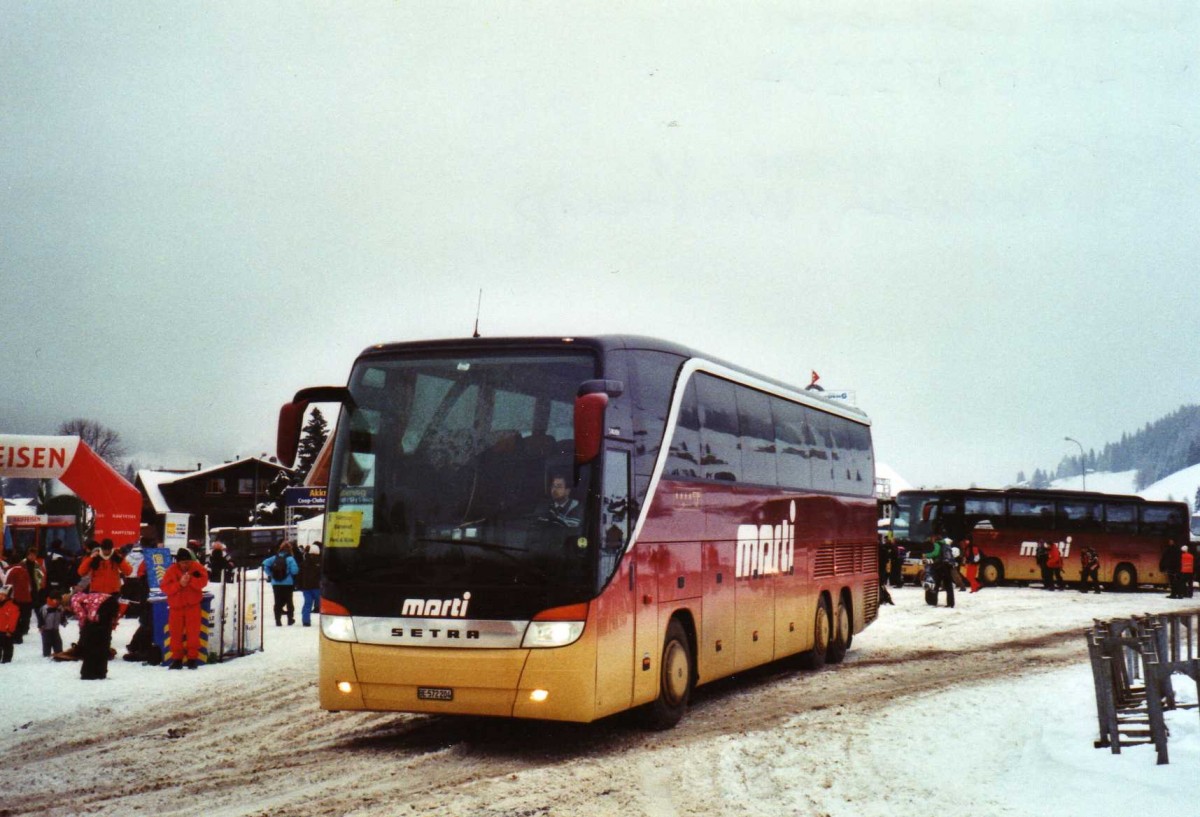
(343,529)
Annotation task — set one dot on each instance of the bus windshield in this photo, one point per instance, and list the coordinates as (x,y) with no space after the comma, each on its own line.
(462,467)
(916,513)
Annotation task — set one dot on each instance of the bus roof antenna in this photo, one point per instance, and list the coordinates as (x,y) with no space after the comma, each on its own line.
(478,304)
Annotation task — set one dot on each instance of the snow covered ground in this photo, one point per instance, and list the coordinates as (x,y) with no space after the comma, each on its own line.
(1016,739)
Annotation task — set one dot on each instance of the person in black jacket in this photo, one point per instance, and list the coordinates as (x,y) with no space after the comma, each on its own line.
(1169,565)
(220,566)
(309,582)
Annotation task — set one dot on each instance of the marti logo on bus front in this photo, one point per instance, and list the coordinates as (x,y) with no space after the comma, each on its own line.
(766,549)
(446,608)
(1030,548)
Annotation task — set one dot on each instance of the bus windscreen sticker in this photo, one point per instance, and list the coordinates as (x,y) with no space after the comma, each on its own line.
(343,529)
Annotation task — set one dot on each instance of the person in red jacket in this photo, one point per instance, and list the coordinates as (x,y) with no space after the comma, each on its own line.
(1054,564)
(1187,564)
(8,624)
(183,583)
(106,565)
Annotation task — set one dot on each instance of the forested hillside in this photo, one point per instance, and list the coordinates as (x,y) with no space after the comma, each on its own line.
(1160,448)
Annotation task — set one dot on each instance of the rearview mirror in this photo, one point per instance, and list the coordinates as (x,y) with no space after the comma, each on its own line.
(589,426)
(287,437)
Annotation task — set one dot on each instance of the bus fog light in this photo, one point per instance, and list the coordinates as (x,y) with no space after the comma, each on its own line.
(344,687)
(552,633)
(338,628)
(539,695)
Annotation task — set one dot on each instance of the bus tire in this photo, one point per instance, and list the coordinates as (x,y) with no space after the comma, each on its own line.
(676,679)
(822,630)
(842,635)
(991,572)
(1124,578)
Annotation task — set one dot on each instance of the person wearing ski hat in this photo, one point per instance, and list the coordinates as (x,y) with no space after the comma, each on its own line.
(183,584)
(106,565)
(8,623)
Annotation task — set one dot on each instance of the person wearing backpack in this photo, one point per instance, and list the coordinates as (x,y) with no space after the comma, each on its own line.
(1089,570)
(282,570)
(1041,556)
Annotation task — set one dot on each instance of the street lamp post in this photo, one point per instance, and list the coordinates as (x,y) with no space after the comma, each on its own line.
(1082,460)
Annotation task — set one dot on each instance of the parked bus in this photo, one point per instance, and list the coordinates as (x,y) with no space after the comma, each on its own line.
(1128,533)
(24,531)
(567,528)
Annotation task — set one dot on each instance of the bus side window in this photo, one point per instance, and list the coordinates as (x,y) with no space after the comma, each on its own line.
(1078,516)
(1162,521)
(1031,513)
(757,438)
(1120,517)
(683,457)
(615,511)
(824,453)
(791,445)
(719,455)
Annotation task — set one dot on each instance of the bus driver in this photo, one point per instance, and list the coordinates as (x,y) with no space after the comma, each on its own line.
(563,510)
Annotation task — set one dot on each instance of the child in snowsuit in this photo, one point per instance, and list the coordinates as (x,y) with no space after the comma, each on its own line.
(9,614)
(52,618)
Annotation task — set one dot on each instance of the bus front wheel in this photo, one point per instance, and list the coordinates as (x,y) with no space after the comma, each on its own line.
(843,633)
(676,678)
(822,626)
(1124,578)
(991,572)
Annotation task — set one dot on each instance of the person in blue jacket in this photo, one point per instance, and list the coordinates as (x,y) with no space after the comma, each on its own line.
(281,570)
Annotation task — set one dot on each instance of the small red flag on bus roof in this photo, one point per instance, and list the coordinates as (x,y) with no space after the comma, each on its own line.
(815,378)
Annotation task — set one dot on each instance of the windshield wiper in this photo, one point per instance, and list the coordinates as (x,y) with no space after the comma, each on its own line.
(479,543)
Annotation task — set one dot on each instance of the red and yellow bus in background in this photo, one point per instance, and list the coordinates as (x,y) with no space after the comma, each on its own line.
(1128,533)
(566,528)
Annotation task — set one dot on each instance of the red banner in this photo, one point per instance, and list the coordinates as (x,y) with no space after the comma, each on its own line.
(117,504)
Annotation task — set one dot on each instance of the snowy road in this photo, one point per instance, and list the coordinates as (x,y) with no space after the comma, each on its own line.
(997,688)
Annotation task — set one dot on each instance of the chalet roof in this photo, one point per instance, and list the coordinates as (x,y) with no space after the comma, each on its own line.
(152,481)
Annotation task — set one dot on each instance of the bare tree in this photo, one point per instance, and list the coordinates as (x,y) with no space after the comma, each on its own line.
(100,438)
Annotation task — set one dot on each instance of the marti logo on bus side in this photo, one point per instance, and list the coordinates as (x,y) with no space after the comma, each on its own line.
(1030,548)
(763,550)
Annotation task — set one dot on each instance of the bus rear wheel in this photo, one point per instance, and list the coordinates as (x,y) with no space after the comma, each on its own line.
(676,678)
(822,627)
(991,572)
(843,634)
(1124,578)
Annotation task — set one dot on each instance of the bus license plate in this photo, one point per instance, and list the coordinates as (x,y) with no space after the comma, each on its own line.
(435,694)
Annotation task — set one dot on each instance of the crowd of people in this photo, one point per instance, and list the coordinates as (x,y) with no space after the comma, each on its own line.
(100,585)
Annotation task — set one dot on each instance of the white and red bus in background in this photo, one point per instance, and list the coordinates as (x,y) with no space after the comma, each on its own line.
(716,520)
(1128,533)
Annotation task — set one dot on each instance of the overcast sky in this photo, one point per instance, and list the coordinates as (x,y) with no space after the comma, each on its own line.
(981,217)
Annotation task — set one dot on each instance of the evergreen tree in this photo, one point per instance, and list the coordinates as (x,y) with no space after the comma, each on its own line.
(1040,479)
(1021,479)
(312,438)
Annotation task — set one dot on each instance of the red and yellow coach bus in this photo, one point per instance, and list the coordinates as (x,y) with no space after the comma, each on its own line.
(1128,533)
(567,528)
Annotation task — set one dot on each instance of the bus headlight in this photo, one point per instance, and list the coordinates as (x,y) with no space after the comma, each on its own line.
(552,633)
(338,628)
